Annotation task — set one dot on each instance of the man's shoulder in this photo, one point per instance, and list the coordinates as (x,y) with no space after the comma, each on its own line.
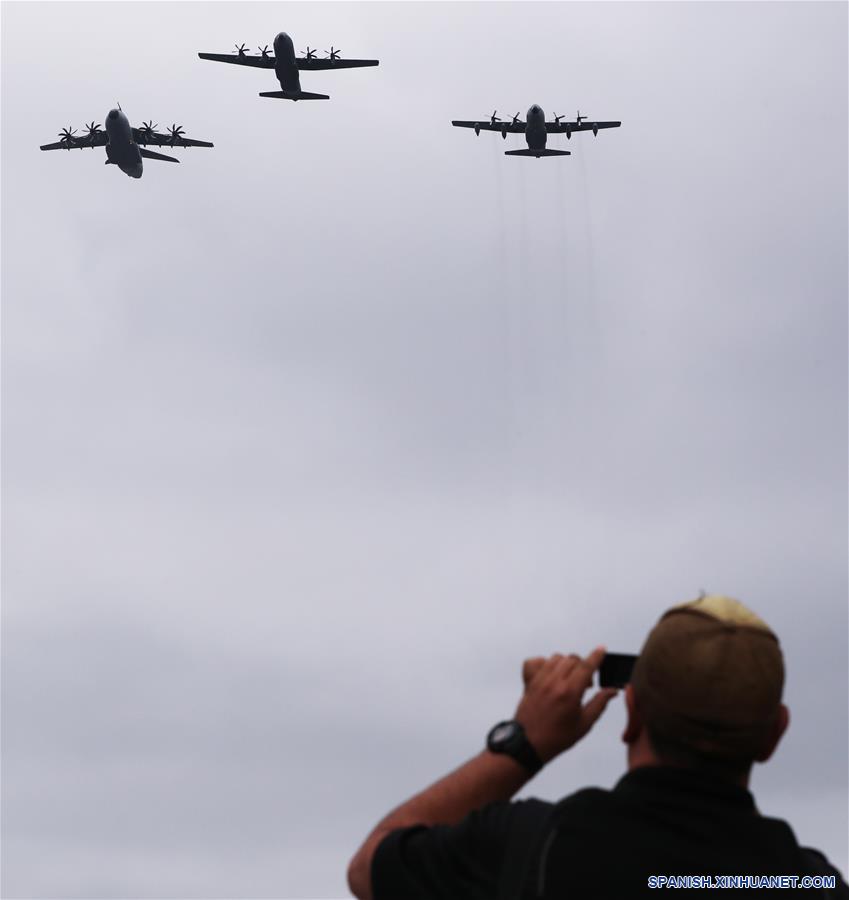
(589,800)
(818,864)
(532,809)
(492,843)
(589,796)
(528,822)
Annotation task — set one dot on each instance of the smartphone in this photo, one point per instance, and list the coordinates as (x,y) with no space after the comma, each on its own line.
(615,669)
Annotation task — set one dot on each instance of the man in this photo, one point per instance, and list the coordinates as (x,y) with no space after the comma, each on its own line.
(703,705)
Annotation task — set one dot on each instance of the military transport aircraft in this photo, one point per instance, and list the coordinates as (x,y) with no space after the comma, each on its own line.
(122,141)
(536,130)
(287,66)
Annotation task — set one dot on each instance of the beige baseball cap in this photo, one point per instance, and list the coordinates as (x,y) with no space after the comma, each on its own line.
(709,678)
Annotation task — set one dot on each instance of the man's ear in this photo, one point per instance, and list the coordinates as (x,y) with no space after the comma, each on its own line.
(634,725)
(779,726)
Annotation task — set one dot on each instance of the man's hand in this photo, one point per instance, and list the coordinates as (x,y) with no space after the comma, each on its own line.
(551,709)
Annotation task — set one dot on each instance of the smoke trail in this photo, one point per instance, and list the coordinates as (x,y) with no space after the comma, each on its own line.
(500,222)
(501,277)
(592,309)
(526,287)
(593,403)
(504,299)
(523,222)
(562,238)
(563,292)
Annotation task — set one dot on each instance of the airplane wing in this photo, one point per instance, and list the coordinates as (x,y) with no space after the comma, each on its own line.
(571,127)
(188,142)
(157,139)
(313,65)
(241,59)
(98,139)
(509,127)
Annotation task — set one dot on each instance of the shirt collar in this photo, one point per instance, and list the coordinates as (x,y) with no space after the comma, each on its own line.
(686,786)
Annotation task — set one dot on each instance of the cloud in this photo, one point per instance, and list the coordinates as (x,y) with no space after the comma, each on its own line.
(309,440)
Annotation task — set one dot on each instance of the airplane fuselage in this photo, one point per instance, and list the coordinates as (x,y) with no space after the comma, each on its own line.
(535,133)
(122,150)
(285,67)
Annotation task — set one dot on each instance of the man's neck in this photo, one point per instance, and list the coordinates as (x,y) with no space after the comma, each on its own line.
(641,754)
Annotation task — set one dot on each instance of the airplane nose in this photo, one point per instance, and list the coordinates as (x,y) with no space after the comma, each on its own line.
(113,114)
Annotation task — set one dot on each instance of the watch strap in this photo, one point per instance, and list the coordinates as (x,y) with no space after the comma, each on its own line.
(525,754)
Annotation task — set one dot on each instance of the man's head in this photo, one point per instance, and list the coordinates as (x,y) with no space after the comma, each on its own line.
(706,689)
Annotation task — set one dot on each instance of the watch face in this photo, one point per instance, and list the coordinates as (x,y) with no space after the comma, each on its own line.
(502,733)
(510,738)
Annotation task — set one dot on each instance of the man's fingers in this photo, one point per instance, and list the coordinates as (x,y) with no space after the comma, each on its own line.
(595,706)
(580,672)
(560,667)
(530,667)
(590,666)
(565,666)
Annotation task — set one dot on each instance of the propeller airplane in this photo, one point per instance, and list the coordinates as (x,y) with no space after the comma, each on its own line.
(126,146)
(287,67)
(536,130)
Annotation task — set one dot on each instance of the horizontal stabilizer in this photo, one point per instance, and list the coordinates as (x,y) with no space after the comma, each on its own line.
(150,154)
(294,95)
(537,153)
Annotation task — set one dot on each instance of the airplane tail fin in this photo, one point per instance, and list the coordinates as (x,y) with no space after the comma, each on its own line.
(294,95)
(537,153)
(150,154)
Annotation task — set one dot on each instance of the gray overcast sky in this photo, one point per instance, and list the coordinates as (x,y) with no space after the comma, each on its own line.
(308,441)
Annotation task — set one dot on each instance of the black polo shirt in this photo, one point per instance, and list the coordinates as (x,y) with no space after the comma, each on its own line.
(657,821)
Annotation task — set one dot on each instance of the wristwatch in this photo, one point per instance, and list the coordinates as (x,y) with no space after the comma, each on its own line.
(509,737)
